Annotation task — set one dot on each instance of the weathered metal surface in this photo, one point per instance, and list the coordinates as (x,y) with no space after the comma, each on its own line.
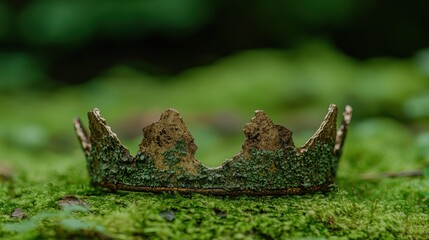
(268,163)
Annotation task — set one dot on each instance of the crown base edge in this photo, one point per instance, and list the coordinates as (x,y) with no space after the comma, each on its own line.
(322,188)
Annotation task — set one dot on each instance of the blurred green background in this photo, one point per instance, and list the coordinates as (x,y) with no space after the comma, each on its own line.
(216,62)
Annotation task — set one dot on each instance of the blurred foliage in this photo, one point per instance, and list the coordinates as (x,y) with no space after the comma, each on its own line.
(19,70)
(170,36)
(4,19)
(293,87)
(72,22)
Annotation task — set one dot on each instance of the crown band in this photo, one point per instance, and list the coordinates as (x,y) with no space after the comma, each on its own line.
(268,163)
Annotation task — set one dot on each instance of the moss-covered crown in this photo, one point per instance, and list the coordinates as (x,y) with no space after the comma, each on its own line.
(268,163)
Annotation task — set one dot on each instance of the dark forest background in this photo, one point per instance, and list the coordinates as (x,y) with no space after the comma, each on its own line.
(48,43)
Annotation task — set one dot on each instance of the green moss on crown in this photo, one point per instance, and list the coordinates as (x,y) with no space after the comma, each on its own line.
(268,163)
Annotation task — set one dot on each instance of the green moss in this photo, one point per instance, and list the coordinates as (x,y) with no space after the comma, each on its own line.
(382,209)
(280,169)
(173,156)
(259,171)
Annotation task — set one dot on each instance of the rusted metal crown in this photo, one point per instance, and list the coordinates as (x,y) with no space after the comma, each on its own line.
(268,163)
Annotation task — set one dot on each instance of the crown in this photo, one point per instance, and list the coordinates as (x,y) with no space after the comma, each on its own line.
(268,163)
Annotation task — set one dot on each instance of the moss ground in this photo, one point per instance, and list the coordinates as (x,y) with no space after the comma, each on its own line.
(39,152)
(382,209)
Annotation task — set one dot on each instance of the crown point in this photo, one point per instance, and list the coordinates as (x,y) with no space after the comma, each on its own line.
(347,115)
(171,111)
(261,133)
(326,132)
(96,112)
(82,136)
(166,136)
(342,130)
(261,116)
(168,130)
(332,106)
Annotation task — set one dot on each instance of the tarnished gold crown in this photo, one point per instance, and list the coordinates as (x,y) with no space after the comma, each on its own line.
(268,163)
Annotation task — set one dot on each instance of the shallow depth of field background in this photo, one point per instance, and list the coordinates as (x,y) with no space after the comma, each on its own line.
(216,62)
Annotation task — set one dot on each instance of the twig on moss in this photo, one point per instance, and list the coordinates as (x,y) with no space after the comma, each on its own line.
(413,173)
